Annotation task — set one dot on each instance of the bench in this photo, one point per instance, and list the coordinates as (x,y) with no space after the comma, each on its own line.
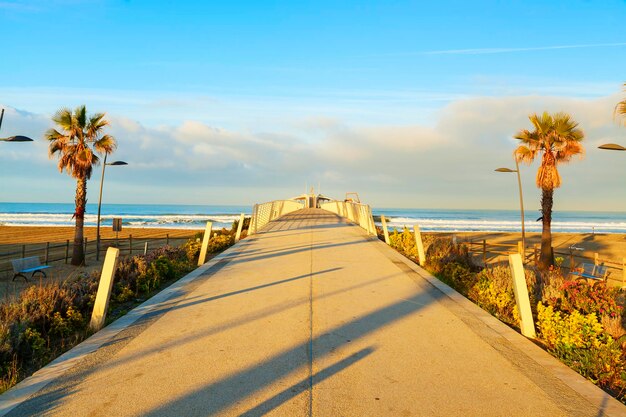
(591,271)
(31,264)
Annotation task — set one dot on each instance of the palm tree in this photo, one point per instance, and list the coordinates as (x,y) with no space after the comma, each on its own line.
(556,137)
(77,144)
(620,109)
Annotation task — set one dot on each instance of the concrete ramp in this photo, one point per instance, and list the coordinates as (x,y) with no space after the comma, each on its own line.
(312,317)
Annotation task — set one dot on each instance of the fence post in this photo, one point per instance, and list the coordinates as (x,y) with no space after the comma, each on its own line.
(421,258)
(536,253)
(484,252)
(205,243)
(67,250)
(47,253)
(167,239)
(240,227)
(521,295)
(104,289)
(145,248)
(596,257)
(520,249)
(385,231)
(623,271)
(130,244)
(23,251)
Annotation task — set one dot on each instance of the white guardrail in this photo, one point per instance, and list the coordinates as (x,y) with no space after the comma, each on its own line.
(360,214)
(264,213)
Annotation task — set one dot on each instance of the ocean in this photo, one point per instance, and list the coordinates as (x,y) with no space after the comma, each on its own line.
(196,216)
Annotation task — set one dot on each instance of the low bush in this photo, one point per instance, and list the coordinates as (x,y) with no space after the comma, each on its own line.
(459,275)
(443,251)
(584,298)
(404,243)
(493,291)
(580,341)
(220,240)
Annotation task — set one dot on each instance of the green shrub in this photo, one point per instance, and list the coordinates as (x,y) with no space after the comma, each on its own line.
(67,324)
(443,251)
(220,242)
(459,276)
(493,291)
(581,342)
(580,296)
(192,247)
(404,243)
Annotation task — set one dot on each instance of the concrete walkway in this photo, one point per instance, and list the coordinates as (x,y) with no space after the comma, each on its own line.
(310,317)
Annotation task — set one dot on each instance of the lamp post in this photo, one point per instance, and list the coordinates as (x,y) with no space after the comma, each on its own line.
(612,147)
(104,164)
(17,138)
(521,201)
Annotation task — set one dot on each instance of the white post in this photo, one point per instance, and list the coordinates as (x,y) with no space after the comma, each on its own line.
(205,243)
(421,258)
(145,248)
(240,227)
(104,289)
(527,325)
(385,231)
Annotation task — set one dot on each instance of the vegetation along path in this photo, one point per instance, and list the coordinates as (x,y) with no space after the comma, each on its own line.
(312,317)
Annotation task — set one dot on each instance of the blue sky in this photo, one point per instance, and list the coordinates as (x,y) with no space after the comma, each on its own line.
(409,103)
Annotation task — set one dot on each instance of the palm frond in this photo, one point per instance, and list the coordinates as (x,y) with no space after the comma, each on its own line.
(557,138)
(567,152)
(524,154)
(620,108)
(106,144)
(78,140)
(80,115)
(63,118)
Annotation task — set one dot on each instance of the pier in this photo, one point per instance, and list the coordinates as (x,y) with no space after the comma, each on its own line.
(311,315)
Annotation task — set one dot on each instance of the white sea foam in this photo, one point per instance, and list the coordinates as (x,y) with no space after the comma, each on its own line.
(136,220)
(451,222)
(459,225)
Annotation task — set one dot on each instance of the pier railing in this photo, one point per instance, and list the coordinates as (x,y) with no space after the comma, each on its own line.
(264,213)
(358,213)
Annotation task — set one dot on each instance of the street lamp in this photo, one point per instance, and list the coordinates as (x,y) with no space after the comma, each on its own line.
(521,201)
(104,164)
(612,147)
(17,138)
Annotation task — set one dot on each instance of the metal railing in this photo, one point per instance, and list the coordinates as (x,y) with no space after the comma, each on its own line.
(358,213)
(264,213)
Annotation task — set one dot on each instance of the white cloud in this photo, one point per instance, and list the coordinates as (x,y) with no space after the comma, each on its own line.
(448,163)
(489,51)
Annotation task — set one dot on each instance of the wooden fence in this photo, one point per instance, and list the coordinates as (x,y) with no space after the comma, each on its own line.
(61,252)
(490,253)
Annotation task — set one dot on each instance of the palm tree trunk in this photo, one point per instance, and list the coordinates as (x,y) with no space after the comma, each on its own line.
(78,253)
(547,256)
